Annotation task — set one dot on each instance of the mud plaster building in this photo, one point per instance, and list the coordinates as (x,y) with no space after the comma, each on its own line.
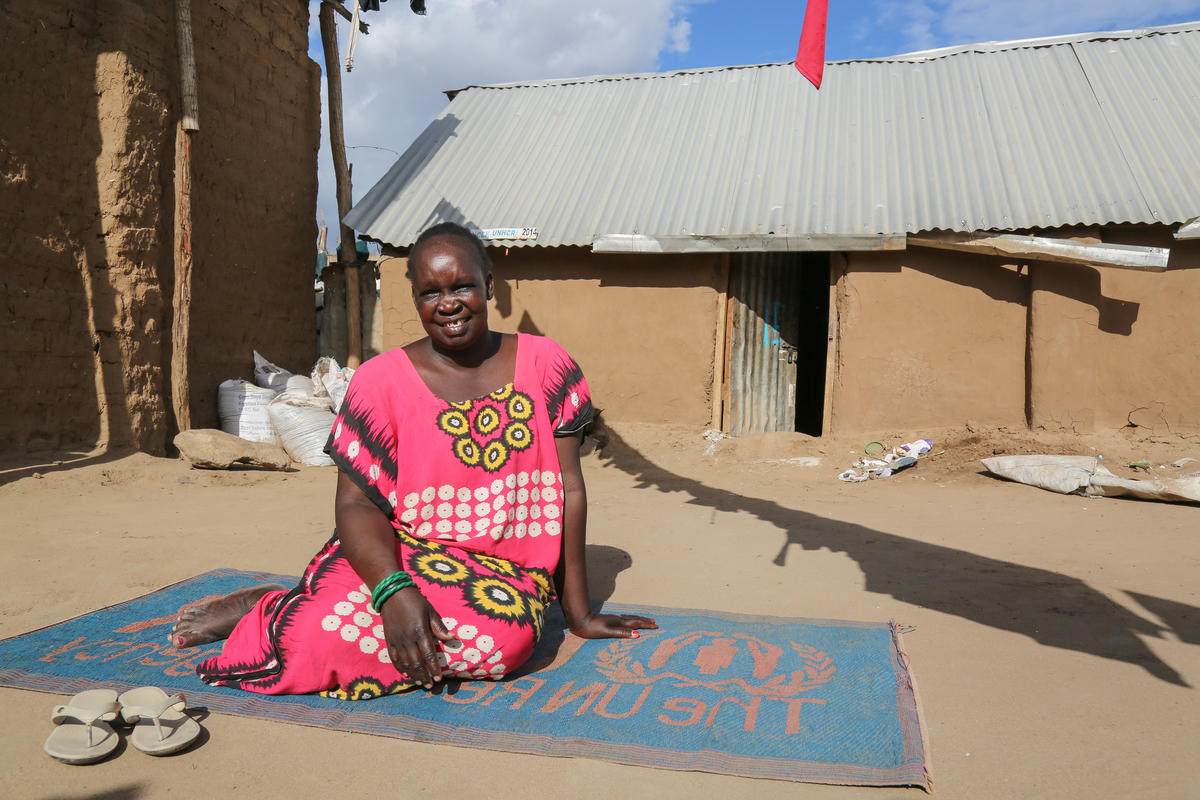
(89,142)
(996,232)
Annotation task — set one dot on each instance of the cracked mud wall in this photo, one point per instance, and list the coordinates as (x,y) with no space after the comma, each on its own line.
(87,203)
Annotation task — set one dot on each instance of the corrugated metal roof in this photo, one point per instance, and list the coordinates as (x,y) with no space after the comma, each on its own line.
(1094,129)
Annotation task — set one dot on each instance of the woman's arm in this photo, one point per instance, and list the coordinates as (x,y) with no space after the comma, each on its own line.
(410,625)
(570,579)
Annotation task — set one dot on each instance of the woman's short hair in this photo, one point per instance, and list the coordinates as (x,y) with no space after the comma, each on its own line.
(474,243)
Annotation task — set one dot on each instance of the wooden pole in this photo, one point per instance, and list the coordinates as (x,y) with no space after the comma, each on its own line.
(718,379)
(341,177)
(182,297)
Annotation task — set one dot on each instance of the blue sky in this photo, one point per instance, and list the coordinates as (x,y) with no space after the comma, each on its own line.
(406,62)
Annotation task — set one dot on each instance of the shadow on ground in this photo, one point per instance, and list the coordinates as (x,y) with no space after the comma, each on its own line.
(1053,609)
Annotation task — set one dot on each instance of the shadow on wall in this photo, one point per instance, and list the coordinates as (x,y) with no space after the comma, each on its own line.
(1074,281)
(504,307)
(1054,610)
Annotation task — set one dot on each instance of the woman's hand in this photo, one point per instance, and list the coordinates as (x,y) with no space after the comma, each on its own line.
(411,629)
(611,626)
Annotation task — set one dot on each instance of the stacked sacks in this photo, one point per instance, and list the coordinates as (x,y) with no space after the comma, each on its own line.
(294,411)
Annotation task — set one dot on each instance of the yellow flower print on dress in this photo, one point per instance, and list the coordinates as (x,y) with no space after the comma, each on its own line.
(499,566)
(488,429)
(453,421)
(366,689)
(542,579)
(468,451)
(520,406)
(498,599)
(494,456)
(487,420)
(440,568)
(517,436)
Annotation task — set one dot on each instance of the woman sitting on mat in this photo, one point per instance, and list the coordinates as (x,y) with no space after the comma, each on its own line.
(460,499)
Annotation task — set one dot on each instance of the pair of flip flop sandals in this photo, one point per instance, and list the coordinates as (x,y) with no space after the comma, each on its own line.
(83,733)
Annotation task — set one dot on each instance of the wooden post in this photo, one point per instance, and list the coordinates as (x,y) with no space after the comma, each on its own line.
(341,176)
(839,267)
(719,338)
(182,297)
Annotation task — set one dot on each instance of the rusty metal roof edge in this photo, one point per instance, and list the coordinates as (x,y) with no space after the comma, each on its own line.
(641,243)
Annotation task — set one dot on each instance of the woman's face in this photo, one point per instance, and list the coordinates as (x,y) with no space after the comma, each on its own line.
(451,292)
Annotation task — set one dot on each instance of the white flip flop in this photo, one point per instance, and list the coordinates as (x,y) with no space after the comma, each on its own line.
(82,734)
(160,726)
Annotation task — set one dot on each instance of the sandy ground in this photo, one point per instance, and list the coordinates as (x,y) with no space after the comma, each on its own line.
(1055,643)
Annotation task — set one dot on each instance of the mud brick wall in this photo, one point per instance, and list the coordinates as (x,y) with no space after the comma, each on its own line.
(254,189)
(87,186)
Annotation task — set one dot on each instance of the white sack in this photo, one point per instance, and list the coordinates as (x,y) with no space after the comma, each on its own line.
(1062,474)
(330,380)
(242,408)
(1086,475)
(302,423)
(268,375)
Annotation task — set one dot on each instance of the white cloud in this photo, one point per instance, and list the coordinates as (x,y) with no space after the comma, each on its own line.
(940,23)
(402,67)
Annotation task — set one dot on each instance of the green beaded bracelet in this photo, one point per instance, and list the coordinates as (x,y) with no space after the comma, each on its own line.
(389,586)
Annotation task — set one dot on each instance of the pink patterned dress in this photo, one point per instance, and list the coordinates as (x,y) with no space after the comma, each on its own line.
(474,492)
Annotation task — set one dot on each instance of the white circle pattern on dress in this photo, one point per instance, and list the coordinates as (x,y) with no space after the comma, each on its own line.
(488,510)
(352,450)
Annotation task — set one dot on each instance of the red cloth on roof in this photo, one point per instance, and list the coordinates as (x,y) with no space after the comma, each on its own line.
(810,57)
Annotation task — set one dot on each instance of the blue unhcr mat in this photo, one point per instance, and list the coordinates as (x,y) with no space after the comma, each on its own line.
(765,697)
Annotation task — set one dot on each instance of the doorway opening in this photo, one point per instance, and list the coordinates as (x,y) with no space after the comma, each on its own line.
(778,329)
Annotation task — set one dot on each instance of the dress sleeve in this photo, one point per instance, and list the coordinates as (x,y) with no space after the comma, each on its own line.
(568,399)
(363,440)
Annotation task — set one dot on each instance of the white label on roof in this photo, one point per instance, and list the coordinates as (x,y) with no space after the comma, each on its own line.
(507,233)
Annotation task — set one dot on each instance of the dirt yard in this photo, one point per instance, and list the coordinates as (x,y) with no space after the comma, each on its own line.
(1056,641)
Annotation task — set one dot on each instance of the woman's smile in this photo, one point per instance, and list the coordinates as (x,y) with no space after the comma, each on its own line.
(451,293)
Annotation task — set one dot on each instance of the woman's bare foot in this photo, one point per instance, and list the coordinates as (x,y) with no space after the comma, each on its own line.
(212,619)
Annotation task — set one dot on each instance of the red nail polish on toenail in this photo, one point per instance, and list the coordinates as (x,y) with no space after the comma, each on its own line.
(636,635)
(179,641)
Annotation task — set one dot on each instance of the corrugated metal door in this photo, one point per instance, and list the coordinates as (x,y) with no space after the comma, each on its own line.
(764,325)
